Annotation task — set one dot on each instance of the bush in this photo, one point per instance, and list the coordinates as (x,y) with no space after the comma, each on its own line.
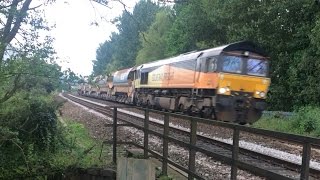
(32,118)
(306,120)
(28,132)
(34,144)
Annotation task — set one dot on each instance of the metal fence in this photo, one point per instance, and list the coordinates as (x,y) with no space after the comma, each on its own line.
(233,161)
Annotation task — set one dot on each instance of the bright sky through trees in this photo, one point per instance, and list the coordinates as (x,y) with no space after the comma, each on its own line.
(80,26)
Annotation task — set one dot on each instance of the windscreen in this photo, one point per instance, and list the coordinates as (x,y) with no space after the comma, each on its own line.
(232,64)
(245,65)
(257,67)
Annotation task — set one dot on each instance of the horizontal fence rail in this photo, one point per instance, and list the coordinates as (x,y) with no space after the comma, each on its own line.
(235,157)
(234,161)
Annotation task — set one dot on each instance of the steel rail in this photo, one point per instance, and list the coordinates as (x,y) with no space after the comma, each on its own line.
(243,152)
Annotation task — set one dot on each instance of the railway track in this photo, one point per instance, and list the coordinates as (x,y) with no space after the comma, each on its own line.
(280,169)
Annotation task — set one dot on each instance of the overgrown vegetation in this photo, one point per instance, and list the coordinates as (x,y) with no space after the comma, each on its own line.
(305,121)
(79,149)
(30,135)
(48,150)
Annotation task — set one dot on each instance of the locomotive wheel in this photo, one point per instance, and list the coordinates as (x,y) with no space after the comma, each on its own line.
(189,111)
(206,112)
(181,108)
(214,114)
(148,105)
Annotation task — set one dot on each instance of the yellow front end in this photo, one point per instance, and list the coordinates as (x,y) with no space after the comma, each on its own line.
(242,83)
(241,98)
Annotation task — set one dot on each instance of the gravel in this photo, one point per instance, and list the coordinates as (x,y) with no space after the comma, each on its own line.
(207,167)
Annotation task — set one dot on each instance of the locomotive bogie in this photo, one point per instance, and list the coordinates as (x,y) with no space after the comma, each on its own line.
(242,108)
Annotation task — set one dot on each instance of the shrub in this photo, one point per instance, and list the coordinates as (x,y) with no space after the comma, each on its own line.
(306,120)
(28,131)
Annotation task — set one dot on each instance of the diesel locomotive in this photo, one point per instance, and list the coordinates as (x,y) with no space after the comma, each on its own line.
(226,83)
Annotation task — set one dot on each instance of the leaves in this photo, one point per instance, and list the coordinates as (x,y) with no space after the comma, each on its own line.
(288,30)
(154,39)
(122,48)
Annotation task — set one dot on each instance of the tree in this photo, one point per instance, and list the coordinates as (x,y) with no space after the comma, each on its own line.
(19,45)
(192,29)
(281,27)
(103,57)
(154,39)
(68,79)
(28,74)
(122,48)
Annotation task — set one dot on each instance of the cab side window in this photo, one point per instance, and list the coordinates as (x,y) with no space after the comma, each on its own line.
(211,64)
(144,78)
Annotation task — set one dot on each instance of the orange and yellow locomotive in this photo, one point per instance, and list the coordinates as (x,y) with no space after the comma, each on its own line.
(227,83)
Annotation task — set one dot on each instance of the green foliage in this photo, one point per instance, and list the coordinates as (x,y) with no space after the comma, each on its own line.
(73,148)
(79,149)
(121,50)
(282,28)
(68,79)
(32,118)
(288,30)
(29,133)
(274,124)
(191,28)
(154,39)
(28,129)
(305,121)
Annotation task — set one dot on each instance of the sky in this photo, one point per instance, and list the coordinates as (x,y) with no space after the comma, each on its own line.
(76,35)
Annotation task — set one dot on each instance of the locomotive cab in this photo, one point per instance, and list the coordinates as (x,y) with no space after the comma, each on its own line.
(242,85)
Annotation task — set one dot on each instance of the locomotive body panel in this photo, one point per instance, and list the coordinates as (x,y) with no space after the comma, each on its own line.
(168,76)
(207,81)
(242,83)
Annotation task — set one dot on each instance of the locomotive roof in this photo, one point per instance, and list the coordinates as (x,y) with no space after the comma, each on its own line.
(238,46)
(121,76)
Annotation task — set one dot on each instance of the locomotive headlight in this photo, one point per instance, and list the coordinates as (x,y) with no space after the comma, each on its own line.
(224,90)
(262,94)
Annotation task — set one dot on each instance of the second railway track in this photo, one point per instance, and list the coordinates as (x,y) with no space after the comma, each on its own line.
(277,168)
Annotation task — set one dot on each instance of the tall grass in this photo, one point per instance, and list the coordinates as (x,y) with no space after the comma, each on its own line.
(73,149)
(81,150)
(305,121)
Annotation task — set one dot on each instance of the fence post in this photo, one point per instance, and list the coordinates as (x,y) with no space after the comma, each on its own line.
(146,133)
(165,144)
(235,153)
(114,153)
(305,161)
(192,152)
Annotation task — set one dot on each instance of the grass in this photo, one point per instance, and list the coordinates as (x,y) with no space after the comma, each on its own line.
(73,148)
(80,150)
(305,121)
(273,123)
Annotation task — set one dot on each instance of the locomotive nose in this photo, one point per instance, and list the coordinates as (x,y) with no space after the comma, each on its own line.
(239,103)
